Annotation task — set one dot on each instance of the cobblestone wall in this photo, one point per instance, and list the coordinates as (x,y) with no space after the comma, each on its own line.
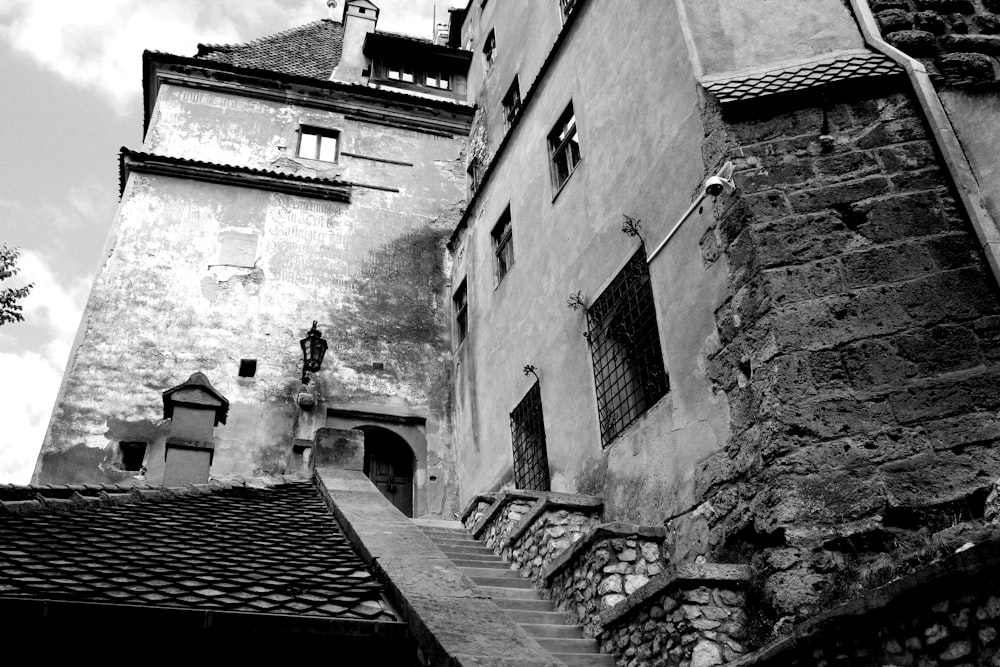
(503,523)
(476,510)
(860,350)
(958,40)
(549,535)
(688,626)
(946,614)
(602,574)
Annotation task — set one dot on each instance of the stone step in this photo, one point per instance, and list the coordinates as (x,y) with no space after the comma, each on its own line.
(533,606)
(585,659)
(520,616)
(498,582)
(455,542)
(448,535)
(553,630)
(495,564)
(439,524)
(472,549)
(512,593)
(568,645)
(504,573)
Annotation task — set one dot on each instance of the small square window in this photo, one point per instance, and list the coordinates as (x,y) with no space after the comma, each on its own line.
(511,103)
(460,304)
(490,50)
(318,144)
(248,368)
(393,72)
(564,148)
(503,247)
(131,455)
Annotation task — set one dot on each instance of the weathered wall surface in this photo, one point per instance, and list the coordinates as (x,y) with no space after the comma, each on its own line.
(646,165)
(200,275)
(958,40)
(520,51)
(858,352)
(736,35)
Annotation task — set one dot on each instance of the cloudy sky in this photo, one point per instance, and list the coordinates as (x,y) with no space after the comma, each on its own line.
(71,74)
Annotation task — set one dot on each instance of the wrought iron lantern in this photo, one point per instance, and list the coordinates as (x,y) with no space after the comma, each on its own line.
(313,351)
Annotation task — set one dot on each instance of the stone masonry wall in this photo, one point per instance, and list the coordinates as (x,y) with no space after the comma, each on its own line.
(958,40)
(601,577)
(946,614)
(860,349)
(687,626)
(500,527)
(549,535)
(476,510)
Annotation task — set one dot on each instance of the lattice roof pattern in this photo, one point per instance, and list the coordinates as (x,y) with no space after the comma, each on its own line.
(275,551)
(312,50)
(841,67)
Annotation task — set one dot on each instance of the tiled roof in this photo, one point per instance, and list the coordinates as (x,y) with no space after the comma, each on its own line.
(274,551)
(311,50)
(801,76)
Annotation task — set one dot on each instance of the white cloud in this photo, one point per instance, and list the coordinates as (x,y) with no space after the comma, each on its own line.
(52,311)
(99,45)
(25,405)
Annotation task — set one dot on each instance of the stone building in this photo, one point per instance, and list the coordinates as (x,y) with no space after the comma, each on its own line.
(691,306)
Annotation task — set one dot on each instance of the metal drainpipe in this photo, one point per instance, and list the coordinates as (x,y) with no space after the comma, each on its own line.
(944,134)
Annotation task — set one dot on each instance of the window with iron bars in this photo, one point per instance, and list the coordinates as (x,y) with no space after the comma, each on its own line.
(625,346)
(527,432)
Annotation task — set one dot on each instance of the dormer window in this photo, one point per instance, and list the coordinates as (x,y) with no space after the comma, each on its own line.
(438,80)
(318,144)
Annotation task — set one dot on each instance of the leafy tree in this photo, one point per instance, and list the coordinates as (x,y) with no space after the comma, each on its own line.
(10,309)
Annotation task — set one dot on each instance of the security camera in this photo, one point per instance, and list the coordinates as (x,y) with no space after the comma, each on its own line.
(721,182)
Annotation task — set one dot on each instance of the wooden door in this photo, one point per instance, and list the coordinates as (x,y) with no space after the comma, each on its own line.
(389,465)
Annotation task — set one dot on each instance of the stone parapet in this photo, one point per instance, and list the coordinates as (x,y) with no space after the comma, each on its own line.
(600,570)
(945,614)
(690,616)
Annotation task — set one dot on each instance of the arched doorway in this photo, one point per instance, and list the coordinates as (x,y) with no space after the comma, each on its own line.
(389,465)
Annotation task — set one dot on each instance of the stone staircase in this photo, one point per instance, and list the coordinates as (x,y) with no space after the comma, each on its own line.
(515,595)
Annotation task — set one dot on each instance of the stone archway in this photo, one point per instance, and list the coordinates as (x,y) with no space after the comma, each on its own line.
(389,463)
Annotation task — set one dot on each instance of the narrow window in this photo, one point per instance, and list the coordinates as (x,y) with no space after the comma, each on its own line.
(503,247)
(511,103)
(489,50)
(392,72)
(475,174)
(408,76)
(248,368)
(460,303)
(318,144)
(567,7)
(625,346)
(564,148)
(132,454)
(527,432)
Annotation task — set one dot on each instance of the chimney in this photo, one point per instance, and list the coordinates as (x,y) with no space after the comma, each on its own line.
(194,409)
(360,18)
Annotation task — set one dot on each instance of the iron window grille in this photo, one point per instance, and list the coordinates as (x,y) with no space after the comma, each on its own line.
(527,432)
(511,103)
(503,246)
(490,50)
(625,346)
(318,144)
(564,148)
(460,304)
